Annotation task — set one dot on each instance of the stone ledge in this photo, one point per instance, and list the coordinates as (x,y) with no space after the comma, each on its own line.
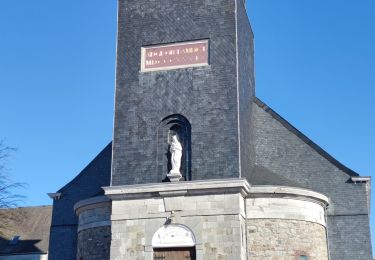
(361,179)
(187,187)
(206,187)
(179,214)
(173,193)
(94,202)
(163,215)
(288,192)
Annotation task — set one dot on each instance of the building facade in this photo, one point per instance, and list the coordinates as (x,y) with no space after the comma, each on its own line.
(199,167)
(24,233)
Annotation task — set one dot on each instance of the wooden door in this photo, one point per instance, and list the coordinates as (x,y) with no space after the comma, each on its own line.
(174,253)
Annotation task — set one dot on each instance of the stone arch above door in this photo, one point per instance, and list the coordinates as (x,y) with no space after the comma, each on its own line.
(173,236)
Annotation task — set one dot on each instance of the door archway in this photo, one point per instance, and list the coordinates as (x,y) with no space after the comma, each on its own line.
(174,242)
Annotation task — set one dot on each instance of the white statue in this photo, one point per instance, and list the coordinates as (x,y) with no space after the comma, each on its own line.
(176,154)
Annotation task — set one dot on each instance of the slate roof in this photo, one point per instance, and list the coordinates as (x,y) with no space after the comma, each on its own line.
(105,154)
(304,138)
(263,176)
(31,224)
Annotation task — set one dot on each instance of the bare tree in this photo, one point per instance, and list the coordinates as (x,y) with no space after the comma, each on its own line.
(8,197)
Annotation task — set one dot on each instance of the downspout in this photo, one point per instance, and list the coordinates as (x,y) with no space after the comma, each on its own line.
(327,239)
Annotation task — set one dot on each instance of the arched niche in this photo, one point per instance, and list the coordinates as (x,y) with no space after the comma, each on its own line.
(173,236)
(174,125)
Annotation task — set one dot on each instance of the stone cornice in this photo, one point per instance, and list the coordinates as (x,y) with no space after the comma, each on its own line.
(167,189)
(206,187)
(94,202)
(288,192)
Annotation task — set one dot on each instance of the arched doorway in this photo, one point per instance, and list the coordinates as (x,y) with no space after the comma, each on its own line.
(174,242)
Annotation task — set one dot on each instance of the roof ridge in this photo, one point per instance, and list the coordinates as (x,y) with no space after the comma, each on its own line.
(28,207)
(81,173)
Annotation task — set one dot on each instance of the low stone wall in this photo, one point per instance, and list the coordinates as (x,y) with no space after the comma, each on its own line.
(286,223)
(286,239)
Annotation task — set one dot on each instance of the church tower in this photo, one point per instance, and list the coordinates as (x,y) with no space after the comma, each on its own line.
(184,69)
(182,128)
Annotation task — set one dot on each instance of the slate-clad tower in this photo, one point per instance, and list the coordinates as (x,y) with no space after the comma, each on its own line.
(214,99)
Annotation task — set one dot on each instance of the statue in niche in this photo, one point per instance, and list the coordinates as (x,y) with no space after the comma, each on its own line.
(175,150)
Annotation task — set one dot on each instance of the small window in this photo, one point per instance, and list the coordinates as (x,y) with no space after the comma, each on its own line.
(303,257)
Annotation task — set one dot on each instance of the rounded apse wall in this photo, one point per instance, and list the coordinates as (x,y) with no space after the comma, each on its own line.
(286,222)
(94,228)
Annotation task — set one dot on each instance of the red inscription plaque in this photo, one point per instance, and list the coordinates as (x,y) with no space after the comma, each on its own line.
(174,56)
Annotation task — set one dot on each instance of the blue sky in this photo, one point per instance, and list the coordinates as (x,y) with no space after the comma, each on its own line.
(315,65)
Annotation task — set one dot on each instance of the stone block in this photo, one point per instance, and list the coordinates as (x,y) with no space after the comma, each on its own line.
(178,203)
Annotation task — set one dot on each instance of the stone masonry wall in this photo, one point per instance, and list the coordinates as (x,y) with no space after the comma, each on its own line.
(286,239)
(94,243)
(94,215)
(94,230)
(220,236)
(217,222)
